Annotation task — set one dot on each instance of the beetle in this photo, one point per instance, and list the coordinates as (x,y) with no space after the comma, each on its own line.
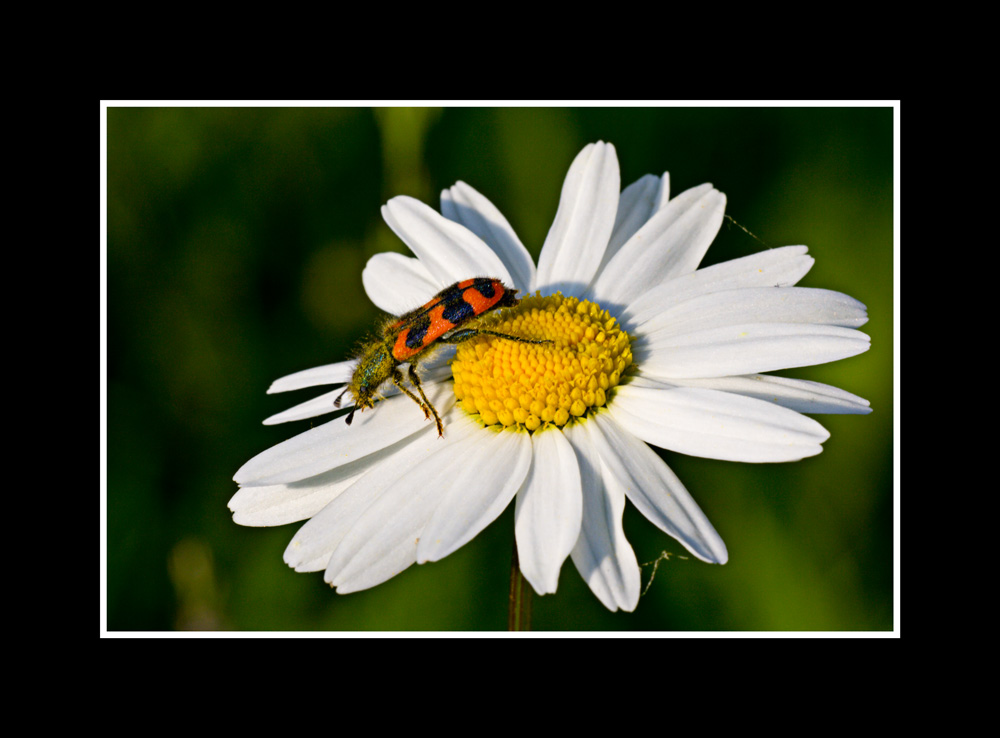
(405,338)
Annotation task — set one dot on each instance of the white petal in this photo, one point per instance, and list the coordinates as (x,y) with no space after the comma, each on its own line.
(280,504)
(328,374)
(476,492)
(450,251)
(391,561)
(670,244)
(777,267)
(335,443)
(313,545)
(384,538)
(800,395)
(548,510)
(579,234)
(309,409)
(756,305)
(745,349)
(463,204)
(637,204)
(430,373)
(397,284)
(716,425)
(655,490)
(602,554)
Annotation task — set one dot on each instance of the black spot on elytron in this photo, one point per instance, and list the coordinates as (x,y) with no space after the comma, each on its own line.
(458,310)
(417,331)
(449,295)
(484,287)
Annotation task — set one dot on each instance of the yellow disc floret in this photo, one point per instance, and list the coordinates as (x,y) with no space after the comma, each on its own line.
(529,385)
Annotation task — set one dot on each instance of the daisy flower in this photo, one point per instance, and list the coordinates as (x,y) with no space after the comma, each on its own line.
(643,348)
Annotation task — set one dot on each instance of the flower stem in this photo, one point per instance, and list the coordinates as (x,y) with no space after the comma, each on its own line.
(519,607)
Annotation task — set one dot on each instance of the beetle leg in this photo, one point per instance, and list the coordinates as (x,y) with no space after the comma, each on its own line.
(397,378)
(415,381)
(466,333)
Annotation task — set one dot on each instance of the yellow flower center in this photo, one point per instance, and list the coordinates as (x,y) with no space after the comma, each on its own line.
(528,385)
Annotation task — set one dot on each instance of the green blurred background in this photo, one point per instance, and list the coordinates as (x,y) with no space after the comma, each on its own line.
(236,240)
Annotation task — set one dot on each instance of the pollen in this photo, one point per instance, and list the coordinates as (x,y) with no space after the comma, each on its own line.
(518,385)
